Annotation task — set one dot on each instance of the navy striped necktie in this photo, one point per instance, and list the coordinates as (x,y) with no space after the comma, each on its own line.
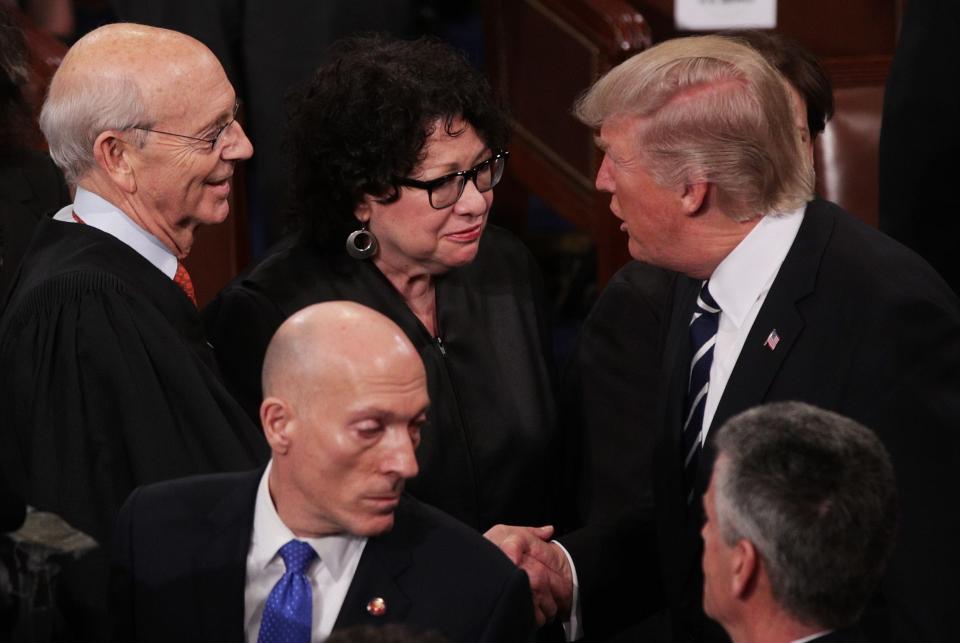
(703,336)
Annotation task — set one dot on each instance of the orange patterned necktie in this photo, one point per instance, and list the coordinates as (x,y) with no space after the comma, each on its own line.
(182,278)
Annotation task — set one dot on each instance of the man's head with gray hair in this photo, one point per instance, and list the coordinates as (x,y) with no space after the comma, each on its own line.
(144,117)
(801,518)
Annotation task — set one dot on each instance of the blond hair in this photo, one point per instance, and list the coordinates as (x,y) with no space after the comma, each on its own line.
(713,111)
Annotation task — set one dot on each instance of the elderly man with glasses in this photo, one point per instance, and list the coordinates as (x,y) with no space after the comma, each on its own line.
(107,380)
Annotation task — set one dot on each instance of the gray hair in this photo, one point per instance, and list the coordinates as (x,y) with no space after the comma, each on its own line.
(715,111)
(815,493)
(72,120)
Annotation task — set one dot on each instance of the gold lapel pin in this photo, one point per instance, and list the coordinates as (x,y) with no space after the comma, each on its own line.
(377,607)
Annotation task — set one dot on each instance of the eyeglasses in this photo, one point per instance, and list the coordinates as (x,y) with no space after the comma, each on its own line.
(212,142)
(447,190)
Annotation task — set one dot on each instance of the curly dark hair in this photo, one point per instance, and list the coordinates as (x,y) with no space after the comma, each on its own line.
(364,118)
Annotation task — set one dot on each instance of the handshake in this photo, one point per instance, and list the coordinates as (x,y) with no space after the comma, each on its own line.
(546,564)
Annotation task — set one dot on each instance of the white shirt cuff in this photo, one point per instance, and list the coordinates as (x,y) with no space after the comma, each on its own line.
(573,627)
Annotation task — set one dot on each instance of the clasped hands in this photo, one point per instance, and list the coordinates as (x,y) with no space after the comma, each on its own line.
(551,579)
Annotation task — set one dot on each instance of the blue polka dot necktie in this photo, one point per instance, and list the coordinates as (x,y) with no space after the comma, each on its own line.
(703,336)
(288,614)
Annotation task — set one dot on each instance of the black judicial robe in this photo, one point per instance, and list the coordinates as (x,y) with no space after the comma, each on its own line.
(107,381)
(490,453)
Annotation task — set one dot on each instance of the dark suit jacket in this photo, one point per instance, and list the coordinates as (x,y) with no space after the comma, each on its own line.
(867,329)
(841,636)
(181,549)
(609,405)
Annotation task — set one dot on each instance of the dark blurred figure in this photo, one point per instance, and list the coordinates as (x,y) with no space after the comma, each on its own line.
(30,184)
(13,511)
(386,634)
(12,515)
(55,17)
(920,139)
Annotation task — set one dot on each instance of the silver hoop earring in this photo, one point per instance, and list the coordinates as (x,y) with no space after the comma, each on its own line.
(362,244)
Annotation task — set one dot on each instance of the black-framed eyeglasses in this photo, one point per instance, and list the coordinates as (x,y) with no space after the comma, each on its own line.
(212,142)
(446,190)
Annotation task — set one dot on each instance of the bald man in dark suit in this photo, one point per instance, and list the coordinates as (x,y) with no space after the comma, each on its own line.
(215,558)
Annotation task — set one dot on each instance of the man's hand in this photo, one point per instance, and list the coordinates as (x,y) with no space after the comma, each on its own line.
(551,579)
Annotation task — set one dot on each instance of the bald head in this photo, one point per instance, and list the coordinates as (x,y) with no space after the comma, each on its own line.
(327,343)
(345,397)
(118,77)
(128,48)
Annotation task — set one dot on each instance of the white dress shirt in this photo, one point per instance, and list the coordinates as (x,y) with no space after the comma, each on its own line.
(812,637)
(330,574)
(740,285)
(99,213)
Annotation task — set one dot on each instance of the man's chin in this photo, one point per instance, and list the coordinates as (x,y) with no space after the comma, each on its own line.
(376,526)
(214,215)
(636,252)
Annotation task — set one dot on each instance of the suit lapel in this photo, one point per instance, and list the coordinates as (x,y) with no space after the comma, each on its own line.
(220,563)
(851,635)
(758,364)
(384,559)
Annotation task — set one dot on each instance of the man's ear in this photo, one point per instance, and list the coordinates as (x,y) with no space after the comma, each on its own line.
(694,196)
(745,567)
(278,421)
(110,153)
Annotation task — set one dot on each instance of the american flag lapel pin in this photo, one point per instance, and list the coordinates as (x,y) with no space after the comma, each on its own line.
(772,339)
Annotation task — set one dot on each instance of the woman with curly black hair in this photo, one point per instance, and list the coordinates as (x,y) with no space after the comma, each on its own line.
(396,148)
